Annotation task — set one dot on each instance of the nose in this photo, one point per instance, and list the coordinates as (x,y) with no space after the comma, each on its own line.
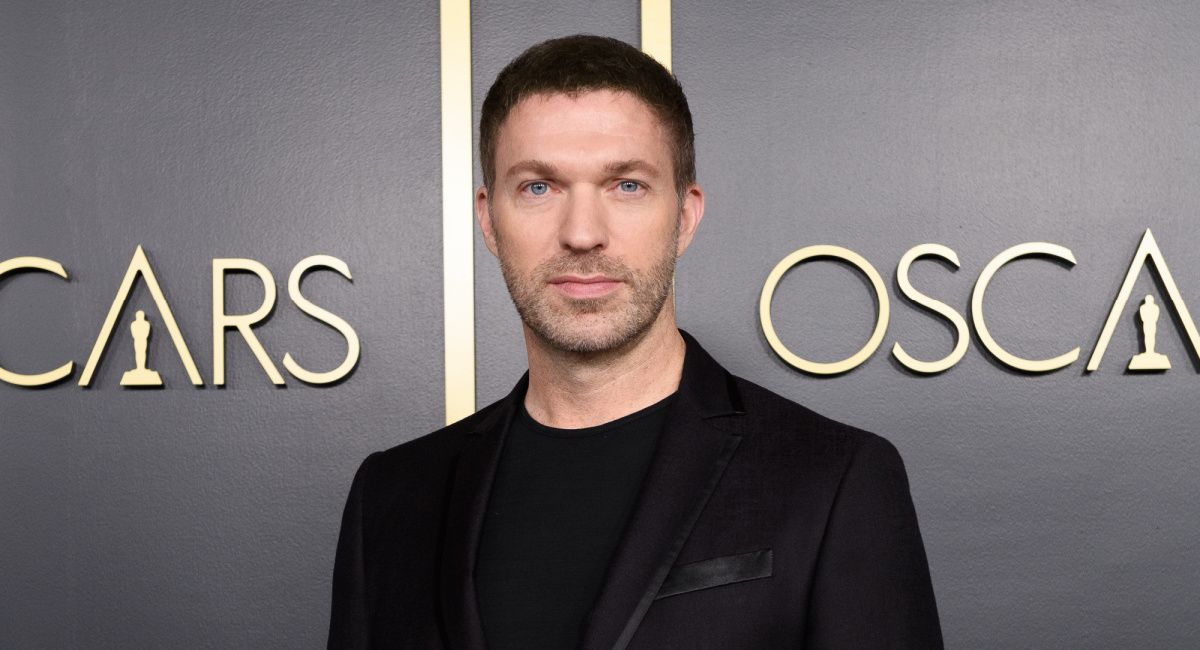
(584,226)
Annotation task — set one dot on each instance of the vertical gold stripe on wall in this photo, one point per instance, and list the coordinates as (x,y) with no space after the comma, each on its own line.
(656,41)
(458,244)
(656,30)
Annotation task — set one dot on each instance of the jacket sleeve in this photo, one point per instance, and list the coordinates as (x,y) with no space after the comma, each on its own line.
(349,620)
(871,585)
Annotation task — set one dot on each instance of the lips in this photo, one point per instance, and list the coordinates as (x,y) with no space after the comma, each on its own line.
(576,286)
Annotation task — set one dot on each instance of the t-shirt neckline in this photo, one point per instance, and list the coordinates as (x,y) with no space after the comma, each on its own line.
(584,432)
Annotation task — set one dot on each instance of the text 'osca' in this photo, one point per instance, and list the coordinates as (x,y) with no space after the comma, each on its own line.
(1149,359)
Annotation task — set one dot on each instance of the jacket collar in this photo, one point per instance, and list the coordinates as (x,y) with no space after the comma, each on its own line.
(690,457)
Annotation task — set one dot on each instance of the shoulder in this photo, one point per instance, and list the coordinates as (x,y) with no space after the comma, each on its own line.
(819,460)
(425,458)
(780,424)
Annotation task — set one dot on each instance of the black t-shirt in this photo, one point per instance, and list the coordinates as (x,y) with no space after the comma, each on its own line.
(560,500)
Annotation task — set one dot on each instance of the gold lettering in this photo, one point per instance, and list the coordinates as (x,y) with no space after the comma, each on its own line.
(1147,248)
(1006,357)
(962,337)
(768,292)
(51,376)
(352,344)
(140,265)
(242,322)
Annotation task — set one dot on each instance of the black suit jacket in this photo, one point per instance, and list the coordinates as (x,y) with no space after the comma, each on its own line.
(761,524)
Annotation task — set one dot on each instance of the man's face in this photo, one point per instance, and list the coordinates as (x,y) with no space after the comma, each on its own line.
(584,217)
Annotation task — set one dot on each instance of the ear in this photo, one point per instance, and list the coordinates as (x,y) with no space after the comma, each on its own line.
(689,217)
(484,214)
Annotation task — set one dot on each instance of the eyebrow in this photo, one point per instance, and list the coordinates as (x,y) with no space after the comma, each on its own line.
(536,167)
(625,166)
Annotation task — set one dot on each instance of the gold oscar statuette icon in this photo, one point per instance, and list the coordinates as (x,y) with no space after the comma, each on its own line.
(1149,360)
(141,375)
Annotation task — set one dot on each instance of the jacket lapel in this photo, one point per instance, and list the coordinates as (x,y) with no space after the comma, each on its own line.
(690,458)
(469,492)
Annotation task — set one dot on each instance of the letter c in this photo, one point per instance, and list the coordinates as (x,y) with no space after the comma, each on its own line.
(768,292)
(41,379)
(1006,357)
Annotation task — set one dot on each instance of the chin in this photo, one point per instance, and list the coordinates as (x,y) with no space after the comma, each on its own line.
(584,337)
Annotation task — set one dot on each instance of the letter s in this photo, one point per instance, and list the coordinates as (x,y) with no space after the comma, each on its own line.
(962,337)
(352,344)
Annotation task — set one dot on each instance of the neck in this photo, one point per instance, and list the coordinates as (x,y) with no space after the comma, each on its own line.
(572,390)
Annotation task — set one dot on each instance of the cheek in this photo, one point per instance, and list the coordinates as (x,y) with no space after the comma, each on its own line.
(519,251)
(653,235)
(649,250)
(532,225)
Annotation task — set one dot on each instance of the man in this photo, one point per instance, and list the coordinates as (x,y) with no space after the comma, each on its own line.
(629,492)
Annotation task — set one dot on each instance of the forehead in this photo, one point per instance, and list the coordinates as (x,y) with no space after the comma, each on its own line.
(596,124)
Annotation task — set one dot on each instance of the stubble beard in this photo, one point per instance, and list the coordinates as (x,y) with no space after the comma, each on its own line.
(618,321)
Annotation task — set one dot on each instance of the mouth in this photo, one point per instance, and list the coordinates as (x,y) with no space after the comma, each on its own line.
(575,286)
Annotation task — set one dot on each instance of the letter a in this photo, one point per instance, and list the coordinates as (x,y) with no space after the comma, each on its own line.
(1148,248)
(139,264)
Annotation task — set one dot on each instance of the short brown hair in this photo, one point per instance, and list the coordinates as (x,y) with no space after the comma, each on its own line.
(580,63)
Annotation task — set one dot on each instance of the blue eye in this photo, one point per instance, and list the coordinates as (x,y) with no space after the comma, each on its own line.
(630,186)
(538,189)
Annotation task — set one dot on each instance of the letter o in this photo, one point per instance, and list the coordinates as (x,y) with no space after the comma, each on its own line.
(768,292)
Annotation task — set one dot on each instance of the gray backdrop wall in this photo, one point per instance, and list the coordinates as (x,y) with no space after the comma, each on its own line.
(1058,510)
